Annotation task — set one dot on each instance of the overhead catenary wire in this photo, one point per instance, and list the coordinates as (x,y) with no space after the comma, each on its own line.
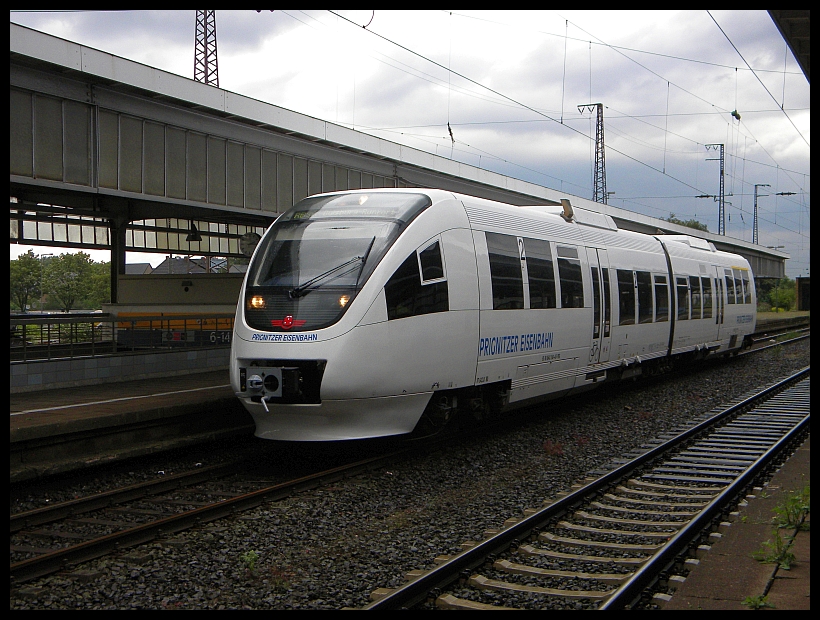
(666,128)
(449,74)
(523,105)
(427,138)
(564,77)
(758,77)
(621,47)
(687,91)
(547,116)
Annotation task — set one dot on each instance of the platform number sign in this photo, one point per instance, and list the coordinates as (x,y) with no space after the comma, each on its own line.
(220,337)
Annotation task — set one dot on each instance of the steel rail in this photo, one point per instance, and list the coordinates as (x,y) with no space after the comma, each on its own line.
(70,508)
(644,577)
(775,344)
(446,573)
(48,563)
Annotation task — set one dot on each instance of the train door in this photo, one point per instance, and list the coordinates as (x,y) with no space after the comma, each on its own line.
(720,300)
(601,324)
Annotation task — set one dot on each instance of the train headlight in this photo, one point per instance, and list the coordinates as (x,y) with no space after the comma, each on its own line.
(257,302)
(343,300)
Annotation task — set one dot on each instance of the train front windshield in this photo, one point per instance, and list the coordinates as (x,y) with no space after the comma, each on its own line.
(317,256)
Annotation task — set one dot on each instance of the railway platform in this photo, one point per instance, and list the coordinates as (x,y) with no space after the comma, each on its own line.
(727,575)
(53,431)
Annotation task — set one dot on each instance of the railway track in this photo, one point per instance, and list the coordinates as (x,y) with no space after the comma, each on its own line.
(605,544)
(775,331)
(769,342)
(52,538)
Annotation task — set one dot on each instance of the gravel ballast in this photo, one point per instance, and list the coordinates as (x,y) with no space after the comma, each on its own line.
(330,548)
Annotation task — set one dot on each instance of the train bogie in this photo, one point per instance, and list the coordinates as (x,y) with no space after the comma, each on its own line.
(365,312)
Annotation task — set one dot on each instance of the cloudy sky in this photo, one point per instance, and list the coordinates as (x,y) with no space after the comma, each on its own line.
(509,84)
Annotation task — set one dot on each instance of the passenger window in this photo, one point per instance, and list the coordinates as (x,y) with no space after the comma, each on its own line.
(739,292)
(706,284)
(596,303)
(683,298)
(540,273)
(730,286)
(742,290)
(431,265)
(606,302)
(694,288)
(626,297)
(569,273)
(661,299)
(721,305)
(644,279)
(405,293)
(505,272)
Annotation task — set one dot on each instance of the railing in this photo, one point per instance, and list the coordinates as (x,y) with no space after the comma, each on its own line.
(60,336)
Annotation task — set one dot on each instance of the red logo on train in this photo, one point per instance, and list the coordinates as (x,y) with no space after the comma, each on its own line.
(288,322)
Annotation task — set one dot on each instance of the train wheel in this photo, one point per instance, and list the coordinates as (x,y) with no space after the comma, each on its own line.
(438,413)
(479,408)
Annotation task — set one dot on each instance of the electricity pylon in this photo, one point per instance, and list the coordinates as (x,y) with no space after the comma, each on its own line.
(720,198)
(599,176)
(206,68)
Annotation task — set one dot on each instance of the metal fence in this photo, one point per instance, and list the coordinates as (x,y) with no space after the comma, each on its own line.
(60,336)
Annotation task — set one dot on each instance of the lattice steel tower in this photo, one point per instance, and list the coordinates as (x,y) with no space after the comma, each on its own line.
(720,199)
(599,176)
(206,68)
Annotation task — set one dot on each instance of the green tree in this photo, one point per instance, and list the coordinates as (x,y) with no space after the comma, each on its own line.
(100,287)
(24,280)
(688,223)
(783,295)
(67,278)
(775,293)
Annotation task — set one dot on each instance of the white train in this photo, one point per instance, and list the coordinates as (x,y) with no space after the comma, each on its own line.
(366,312)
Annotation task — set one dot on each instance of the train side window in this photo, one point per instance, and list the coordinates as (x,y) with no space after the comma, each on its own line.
(706,285)
(505,272)
(540,273)
(596,303)
(683,297)
(739,292)
(719,301)
(607,303)
(694,288)
(405,293)
(730,286)
(569,273)
(742,286)
(431,266)
(661,299)
(747,287)
(644,279)
(626,297)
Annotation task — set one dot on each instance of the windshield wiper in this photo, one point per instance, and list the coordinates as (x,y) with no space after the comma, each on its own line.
(304,289)
(364,258)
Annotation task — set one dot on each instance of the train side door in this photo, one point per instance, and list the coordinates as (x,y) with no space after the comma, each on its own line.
(720,300)
(601,306)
